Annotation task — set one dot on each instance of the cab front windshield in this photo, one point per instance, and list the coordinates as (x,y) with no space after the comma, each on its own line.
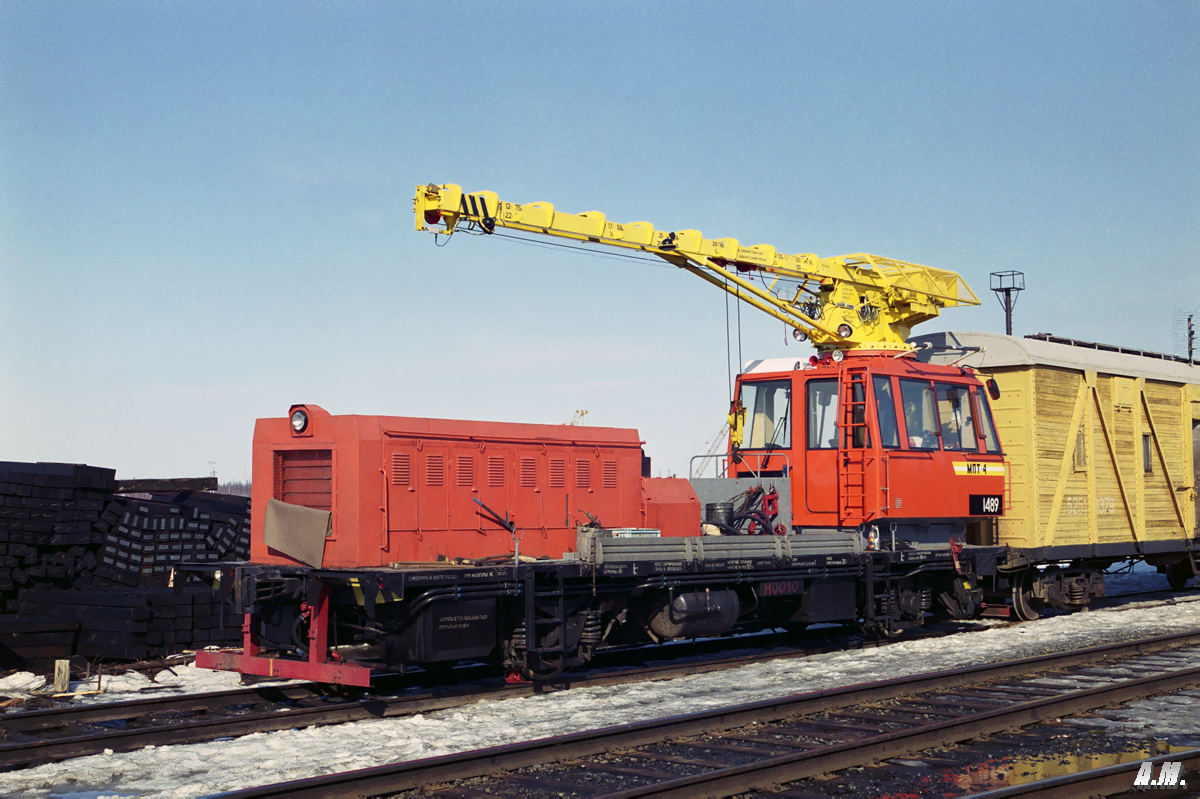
(768,406)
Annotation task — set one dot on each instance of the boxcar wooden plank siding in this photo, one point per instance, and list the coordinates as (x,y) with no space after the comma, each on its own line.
(1017,439)
(1102,446)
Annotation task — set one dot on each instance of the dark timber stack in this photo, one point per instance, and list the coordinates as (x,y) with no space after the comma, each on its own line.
(148,537)
(50,522)
(35,642)
(136,624)
(94,566)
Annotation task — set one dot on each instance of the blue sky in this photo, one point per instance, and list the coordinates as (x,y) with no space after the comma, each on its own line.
(205,207)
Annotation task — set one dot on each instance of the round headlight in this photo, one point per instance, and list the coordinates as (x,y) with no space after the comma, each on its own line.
(844,331)
(299,420)
(837,356)
(799,334)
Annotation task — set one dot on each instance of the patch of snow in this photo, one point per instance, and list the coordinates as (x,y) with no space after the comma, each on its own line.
(22,682)
(118,686)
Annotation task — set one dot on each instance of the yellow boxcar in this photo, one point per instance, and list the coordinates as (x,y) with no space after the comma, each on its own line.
(1102,447)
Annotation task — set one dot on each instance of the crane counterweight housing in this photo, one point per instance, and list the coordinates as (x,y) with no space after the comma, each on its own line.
(848,302)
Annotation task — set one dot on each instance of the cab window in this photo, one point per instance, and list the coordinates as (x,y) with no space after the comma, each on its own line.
(885,409)
(956,418)
(822,413)
(920,414)
(991,442)
(768,407)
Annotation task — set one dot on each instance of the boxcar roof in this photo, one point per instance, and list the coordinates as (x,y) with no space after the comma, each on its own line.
(995,350)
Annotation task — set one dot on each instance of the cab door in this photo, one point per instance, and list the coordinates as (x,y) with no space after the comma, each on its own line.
(821,434)
(916,479)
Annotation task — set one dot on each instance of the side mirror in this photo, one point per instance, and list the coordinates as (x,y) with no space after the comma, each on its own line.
(993,388)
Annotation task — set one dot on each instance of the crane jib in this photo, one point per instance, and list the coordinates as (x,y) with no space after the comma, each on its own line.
(851,302)
(480,211)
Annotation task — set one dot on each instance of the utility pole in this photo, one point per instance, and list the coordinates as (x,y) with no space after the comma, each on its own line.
(1007,285)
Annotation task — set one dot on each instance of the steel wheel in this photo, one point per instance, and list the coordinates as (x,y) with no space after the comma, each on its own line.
(1178,574)
(1025,605)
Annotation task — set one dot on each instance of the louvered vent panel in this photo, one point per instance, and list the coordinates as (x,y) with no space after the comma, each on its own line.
(558,473)
(434,467)
(609,474)
(466,471)
(583,473)
(496,471)
(401,469)
(528,473)
(305,477)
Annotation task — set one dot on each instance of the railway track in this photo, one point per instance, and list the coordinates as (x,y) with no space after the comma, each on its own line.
(42,736)
(1053,759)
(762,745)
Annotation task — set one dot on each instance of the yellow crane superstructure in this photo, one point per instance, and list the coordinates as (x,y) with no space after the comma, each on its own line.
(845,302)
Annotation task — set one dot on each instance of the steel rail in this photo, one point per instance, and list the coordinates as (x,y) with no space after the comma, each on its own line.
(801,765)
(24,753)
(381,780)
(35,721)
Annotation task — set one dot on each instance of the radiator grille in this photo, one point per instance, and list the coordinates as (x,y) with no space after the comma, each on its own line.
(465,473)
(495,477)
(528,473)
(558,473)
(401,469)
(305,477)
(434,467)
(583,473)
(608,476)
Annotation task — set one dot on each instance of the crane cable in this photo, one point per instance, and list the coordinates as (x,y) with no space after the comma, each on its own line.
(641,259)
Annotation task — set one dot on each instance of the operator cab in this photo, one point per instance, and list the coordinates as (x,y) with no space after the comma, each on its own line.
(869,437)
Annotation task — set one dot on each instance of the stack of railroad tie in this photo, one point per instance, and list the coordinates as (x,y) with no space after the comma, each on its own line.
(50,522)
(137,624)
(146,537)
(79,565)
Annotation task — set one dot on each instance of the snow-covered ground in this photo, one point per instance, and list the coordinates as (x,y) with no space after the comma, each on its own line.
(200,769)
(119,686)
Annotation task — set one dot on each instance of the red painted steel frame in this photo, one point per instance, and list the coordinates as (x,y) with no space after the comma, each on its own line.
(336,673)
(318,667)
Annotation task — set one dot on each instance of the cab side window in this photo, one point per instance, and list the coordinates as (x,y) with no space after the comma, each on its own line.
(990,441)
(920,414)
(885,408)
(769,410)
(821,401)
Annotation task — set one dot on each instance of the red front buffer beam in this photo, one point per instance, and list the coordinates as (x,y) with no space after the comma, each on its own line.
(321,665)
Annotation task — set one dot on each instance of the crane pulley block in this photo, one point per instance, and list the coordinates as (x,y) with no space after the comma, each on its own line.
(846,302)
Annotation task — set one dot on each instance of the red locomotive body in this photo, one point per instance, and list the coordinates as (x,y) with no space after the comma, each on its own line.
(409,490)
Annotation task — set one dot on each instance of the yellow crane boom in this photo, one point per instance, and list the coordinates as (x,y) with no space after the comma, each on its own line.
(845,302)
